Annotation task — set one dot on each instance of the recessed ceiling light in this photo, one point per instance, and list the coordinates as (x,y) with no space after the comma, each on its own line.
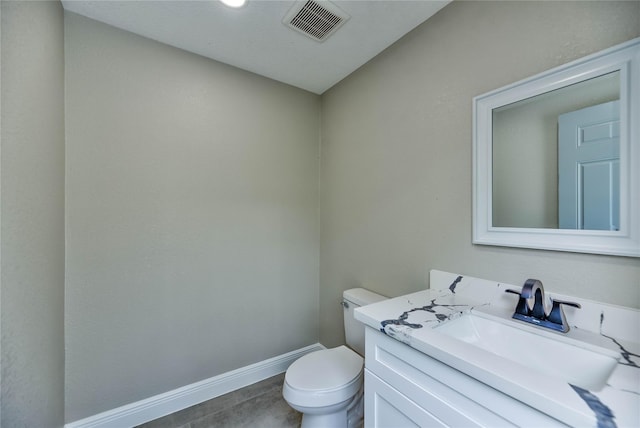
(234,3)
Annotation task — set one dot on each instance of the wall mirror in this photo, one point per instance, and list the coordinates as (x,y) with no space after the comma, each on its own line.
(556,158)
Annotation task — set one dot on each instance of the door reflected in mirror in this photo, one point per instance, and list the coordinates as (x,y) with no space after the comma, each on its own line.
(556,158)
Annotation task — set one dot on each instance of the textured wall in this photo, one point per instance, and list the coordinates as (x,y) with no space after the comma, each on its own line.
(32,217)
(396,153)
(192,218)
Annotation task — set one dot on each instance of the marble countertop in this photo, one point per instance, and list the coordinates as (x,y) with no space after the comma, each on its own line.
(411,318)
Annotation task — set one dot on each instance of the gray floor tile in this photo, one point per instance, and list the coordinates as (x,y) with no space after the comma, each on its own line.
(259,405)
(259,388)
(268,410)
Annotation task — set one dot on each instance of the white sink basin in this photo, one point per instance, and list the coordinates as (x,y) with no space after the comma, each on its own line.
(581,364)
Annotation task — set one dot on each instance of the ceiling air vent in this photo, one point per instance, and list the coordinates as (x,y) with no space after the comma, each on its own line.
(316,19)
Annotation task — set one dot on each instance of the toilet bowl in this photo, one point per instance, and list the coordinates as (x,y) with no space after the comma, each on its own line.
(321,385)
(327,386)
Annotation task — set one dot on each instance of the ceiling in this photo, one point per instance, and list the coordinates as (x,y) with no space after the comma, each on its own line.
(255,39)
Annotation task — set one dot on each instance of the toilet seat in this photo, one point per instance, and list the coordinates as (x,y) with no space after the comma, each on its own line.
(324,378)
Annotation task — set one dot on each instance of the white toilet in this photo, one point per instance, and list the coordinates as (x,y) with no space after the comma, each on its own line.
(327,386)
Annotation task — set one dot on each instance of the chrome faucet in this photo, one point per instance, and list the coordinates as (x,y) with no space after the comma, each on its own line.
(537,314)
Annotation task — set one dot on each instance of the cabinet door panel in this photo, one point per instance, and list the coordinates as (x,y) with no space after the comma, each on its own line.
(386,408)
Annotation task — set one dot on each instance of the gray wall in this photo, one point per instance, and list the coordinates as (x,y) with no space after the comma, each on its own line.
(192,218)
(32,215)
(396,153)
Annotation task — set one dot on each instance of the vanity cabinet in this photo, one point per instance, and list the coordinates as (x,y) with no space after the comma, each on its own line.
(405,388)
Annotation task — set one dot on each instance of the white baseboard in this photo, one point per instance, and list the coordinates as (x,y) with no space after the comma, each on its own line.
(169,402)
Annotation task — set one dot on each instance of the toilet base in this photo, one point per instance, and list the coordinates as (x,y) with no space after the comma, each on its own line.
(331,420)
(350,415)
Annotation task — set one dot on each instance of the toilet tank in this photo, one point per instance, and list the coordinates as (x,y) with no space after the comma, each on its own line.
(354,329)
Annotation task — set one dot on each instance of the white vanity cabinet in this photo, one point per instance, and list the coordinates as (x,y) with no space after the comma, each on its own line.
(405,388)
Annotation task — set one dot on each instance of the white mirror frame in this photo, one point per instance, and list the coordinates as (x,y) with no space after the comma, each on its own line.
(624,242)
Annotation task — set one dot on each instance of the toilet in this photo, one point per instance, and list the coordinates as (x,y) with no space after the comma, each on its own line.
(327,386)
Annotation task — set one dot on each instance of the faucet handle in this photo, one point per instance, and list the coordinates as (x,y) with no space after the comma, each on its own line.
(557,315)
(564,302)
(522,308)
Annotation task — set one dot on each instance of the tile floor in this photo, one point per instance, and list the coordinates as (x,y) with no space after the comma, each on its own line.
(258,406)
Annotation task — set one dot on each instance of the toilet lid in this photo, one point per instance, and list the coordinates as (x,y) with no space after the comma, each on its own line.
(324,370)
